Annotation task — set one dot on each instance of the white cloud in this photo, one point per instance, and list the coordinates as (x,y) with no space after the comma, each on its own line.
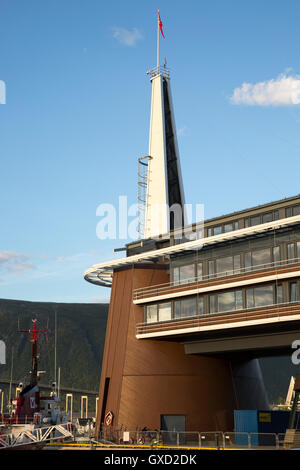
(11,261)
(281,91)
(126,37)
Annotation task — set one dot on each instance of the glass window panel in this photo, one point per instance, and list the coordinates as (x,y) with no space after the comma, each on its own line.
(224,265)
(177,308)
(279,294)
(237,263)
(200,305)
(228,227)
(255,220)
(165,311)
(188,307)
(276,253)
(263,295)
(296,210)
(200,271)
(293,292)
(249,298)
(267,217)
(211,268)
(175,275)
(276,215)
(246,223)
(261,256)
(187,272)
(212,303)
(288,212)
(238,299)
(151,313)
(248,262)
(236,225)
(226,301)
(209,232)
(218,230)
(291,250)
(298,249)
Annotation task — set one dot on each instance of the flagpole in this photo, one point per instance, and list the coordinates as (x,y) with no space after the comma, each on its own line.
(158,42)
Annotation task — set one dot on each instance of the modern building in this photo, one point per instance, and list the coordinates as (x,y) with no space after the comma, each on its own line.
(190,315)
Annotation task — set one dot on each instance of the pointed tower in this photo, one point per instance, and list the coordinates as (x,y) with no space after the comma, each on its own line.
(165,196)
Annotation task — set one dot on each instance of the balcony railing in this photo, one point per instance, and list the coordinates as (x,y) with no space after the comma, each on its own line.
(195,282)
(274,312)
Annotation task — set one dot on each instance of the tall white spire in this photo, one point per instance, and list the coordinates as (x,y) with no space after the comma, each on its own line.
(164,181)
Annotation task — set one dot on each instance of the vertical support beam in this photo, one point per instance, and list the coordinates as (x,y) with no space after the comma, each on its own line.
(2,400)
(96,409)
(69,395)
(84,398)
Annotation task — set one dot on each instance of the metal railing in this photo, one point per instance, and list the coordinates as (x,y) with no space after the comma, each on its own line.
(159,70)
(167,287)
(195,439)
(35,436)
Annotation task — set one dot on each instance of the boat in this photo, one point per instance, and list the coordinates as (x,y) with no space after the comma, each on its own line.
(34,419)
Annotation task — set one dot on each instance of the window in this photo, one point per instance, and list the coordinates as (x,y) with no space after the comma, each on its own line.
(237,263)
(151,313)
(183,274)
(185,307)
(218,230)
(294,292)
(261,256)
(290,251)
(228,265)
(165,311)
(257,257)
(292,211)
(288,212)
(268,217)
(212,303)
(224,228)
(225,265)
(255,220)
(200,271)
(228,227)
(211,268)
(200,305)
(276,254)
(279,294)
(261,218)
(228,301)
(260,296)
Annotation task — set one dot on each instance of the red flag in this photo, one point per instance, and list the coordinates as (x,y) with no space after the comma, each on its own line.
(160,24)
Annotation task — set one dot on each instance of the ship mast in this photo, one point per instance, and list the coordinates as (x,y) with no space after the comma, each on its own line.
(34,354)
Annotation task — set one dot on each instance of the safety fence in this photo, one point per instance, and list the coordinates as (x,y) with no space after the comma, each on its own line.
(211,439)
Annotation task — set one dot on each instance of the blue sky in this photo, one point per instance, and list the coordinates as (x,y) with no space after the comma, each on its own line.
(77,112)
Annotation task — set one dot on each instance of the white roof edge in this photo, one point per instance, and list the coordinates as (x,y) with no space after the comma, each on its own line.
(194,244)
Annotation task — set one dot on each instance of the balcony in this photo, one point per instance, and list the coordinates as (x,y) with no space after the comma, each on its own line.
(227,279)
(270,314)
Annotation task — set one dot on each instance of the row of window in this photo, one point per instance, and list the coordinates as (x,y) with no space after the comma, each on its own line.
(253,220)
(228,265)
(221,302)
